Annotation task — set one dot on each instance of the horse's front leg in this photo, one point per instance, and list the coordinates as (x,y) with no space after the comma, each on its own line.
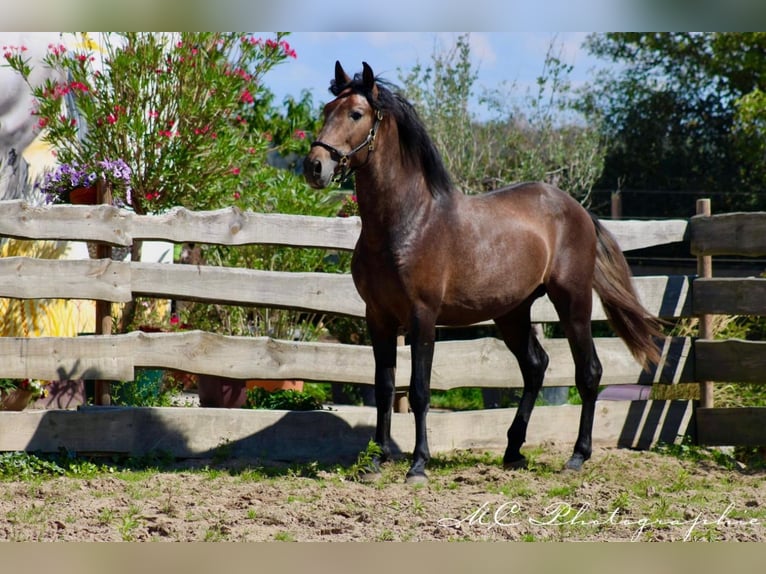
(384,350)
(422,335)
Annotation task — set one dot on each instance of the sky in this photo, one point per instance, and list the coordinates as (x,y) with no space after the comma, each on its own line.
(513,57)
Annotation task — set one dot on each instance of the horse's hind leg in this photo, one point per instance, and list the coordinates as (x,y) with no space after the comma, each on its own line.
(574,309)
(520,338)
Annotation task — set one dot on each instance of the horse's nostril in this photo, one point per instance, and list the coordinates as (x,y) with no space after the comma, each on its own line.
(317,168)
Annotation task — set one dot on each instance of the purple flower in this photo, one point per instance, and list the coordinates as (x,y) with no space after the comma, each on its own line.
(68,176)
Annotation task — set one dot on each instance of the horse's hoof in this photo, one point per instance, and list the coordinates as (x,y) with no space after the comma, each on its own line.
(416,479)
(517,464)
(370,476)
(575,463)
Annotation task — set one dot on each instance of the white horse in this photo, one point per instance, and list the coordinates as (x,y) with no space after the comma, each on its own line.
(18,127)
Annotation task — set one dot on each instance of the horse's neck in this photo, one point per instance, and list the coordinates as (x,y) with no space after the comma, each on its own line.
(391,208)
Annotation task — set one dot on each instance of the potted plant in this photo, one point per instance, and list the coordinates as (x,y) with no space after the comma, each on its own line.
(16,394)
(75,182)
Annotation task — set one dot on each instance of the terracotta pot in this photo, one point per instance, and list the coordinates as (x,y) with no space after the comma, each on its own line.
(83,195)
(221,392)
(275,385)
(15,400)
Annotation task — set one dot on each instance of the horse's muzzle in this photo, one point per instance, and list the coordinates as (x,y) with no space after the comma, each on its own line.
(318,172)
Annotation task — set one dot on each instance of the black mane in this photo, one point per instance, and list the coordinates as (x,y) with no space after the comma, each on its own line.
(414,142)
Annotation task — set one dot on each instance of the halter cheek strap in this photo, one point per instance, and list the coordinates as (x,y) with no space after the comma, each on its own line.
(344,169)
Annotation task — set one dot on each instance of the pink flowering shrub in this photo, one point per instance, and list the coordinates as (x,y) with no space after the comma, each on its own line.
(176,108)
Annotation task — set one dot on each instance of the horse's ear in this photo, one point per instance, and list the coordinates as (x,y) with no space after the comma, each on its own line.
(341,77)
(368,79)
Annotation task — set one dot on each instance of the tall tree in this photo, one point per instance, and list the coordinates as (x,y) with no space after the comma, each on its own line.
(679,112)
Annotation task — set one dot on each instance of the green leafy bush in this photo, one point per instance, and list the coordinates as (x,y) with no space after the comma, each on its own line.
(290,400)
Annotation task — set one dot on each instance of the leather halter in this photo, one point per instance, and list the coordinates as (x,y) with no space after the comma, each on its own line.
(344,170)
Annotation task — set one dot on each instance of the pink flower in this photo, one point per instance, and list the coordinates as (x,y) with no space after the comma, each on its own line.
(288,51)
(299,134)
(235,171)
(246,97)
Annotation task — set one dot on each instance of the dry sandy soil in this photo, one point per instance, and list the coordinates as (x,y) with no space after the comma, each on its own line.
(620,495)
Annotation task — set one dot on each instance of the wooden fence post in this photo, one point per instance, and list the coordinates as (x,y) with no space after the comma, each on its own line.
(616,205)
(103,389)
(705,270)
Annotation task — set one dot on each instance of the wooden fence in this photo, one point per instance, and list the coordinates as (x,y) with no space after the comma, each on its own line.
(477,363)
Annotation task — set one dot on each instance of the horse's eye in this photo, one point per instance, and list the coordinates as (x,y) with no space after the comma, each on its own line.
(355,115)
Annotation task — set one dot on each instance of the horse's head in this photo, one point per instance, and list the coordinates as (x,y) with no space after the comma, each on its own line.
(351,122)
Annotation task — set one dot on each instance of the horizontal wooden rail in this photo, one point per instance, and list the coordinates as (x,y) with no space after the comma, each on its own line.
(229,226)
(118,281)
(730,296)
(731,360)
(729,234)
(475,363)
(743,426)
(232,226)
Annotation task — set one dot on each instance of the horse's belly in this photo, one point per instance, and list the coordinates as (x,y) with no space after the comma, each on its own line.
(470,311)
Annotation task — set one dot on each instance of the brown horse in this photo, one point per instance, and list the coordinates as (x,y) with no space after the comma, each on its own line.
(428,255)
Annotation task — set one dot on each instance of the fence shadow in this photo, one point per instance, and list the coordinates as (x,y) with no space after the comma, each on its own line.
(264,436)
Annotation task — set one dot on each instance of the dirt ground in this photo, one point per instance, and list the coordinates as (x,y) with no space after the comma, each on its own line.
(620,495)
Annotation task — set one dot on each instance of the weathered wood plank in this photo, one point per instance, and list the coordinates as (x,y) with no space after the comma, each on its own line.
(29,278)
(633,234)
(66,222)
(321,292)
(730,296)
(324,436)
(65,358)
(228,226)
(745,426)
(730,360)
(476,363)
(231,226)
(729,234)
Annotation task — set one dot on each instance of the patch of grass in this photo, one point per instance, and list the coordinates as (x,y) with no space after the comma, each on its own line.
(129,523)
(687,450)
(105,516)
(364,461)
(561,491)
(284,536)
(386,536)
(460,459)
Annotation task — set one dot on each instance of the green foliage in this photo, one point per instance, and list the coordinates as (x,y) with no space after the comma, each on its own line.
(27,466)
(682,111)
(290,399)
(145,390)
(365,461)
(462,399)
(23,466)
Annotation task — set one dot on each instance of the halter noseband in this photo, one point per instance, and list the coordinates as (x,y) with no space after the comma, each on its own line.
(344,158)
